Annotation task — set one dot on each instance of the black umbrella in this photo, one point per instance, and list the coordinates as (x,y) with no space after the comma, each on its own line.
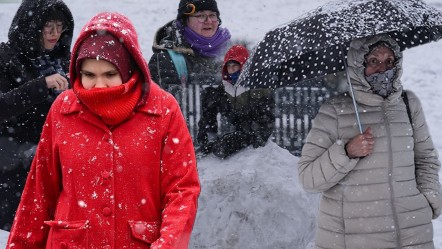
(316,44)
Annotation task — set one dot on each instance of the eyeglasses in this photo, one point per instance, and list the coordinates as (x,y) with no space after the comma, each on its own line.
(374,63)
(49,27)
(203,17)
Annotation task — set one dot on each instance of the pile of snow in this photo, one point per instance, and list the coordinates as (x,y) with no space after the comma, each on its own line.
(3,238)
(253,200)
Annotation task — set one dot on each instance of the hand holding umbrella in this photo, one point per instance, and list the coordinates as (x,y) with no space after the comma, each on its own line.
(360,145)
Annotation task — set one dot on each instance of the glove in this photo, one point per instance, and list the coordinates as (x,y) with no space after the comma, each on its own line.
(202,137)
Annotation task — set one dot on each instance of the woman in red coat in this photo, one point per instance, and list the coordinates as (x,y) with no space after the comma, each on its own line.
(115,166)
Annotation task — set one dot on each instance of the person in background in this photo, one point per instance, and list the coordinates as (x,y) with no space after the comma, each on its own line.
(33,69)
(380,187)
(250,112)
(189,49)
(188,53)
(115,166)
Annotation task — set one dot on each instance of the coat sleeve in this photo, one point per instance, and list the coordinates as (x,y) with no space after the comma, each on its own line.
(162,70)
(324,162)
(264,117)
(180,185)
(425,157)
(17,100)
(40,195)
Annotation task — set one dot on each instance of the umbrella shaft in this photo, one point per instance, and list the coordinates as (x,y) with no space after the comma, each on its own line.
(351,91)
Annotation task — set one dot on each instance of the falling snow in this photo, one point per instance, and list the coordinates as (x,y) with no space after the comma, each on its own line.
(268,175)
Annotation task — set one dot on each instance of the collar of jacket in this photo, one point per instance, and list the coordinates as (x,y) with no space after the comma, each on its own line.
(168,37)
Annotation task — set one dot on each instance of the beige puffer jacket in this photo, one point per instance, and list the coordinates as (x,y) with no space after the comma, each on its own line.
(386,199)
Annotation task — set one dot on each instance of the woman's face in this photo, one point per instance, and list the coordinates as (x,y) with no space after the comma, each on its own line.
(379,60)
(99,74)
(51,33)
(204,23)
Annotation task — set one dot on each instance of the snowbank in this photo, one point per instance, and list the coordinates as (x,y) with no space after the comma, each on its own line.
(3,238)
(253,200)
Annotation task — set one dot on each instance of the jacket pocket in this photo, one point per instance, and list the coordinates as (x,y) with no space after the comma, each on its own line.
(67,234)
(144,233)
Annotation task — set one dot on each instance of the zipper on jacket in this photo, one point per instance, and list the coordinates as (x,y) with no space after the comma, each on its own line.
(390,178)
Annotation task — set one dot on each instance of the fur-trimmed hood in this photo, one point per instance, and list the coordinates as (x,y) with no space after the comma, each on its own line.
(170,36)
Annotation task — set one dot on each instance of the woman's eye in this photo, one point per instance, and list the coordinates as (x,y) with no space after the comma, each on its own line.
(87,74)
(389,62)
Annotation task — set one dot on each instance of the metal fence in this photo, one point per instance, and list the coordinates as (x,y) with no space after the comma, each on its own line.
(295,108)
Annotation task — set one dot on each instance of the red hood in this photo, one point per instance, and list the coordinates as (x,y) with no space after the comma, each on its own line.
(236,53)
(119,26)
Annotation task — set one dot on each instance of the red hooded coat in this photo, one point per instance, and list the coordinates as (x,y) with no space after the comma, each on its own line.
(134,185)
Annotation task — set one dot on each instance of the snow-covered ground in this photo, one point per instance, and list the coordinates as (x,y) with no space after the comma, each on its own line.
(253,200)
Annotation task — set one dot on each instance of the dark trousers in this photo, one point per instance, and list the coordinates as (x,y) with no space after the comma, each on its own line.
(15,161)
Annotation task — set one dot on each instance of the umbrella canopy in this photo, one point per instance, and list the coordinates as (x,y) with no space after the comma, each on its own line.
(316,44)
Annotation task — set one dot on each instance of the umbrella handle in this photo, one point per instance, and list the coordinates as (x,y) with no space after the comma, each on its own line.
(351,91)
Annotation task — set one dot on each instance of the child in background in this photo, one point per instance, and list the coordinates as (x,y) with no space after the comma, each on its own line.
(249,111)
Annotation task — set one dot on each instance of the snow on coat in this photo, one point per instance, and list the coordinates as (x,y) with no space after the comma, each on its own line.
(388,198)
(134,185)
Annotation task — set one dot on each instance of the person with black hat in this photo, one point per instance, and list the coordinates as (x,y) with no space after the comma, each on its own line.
(33,69)
(190,49)
(115,167)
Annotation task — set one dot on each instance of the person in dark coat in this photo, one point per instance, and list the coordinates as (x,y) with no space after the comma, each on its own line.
(33,69)
(190,49)
(249,111)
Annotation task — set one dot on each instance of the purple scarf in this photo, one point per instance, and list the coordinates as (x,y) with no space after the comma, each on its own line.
(207,46)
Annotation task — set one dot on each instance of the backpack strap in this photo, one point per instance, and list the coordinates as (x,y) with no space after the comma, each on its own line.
(407,104)
(180,64)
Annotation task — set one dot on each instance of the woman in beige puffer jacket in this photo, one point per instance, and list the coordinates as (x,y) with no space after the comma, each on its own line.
(387,198)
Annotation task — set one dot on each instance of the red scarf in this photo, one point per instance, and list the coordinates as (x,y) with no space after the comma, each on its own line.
(115,104)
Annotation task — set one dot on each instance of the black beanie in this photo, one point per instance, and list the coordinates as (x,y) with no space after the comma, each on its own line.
(189,7)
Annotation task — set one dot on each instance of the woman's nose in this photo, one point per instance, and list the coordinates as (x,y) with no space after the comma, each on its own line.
(100,83)
(382,67)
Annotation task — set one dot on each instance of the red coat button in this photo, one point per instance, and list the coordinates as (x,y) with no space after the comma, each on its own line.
(107,211)
(106,175)
(63,245)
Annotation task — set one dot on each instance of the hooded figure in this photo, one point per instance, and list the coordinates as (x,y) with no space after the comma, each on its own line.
(386,196)
(29,71)
(250,112)
(115,166)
